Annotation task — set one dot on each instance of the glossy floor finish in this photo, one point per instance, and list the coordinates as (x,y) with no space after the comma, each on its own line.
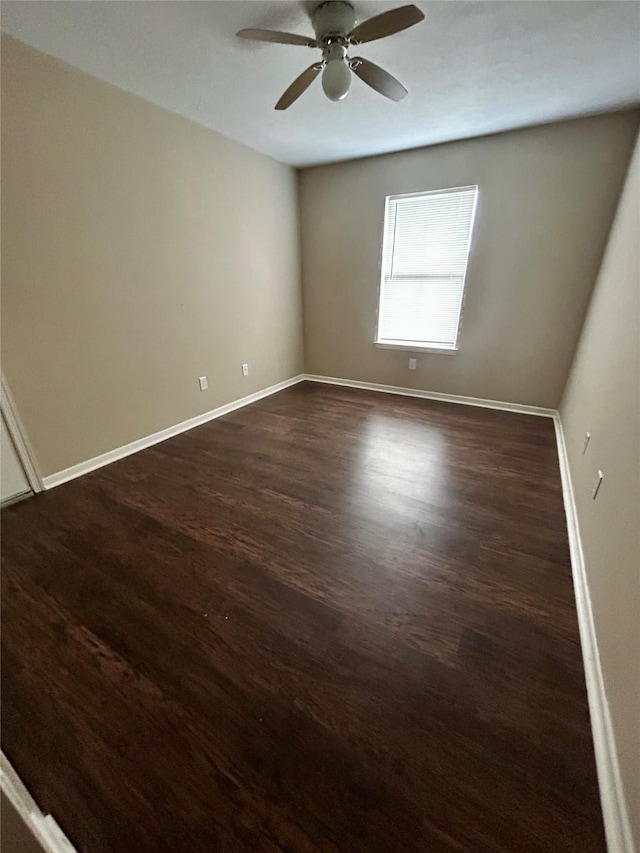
(331,621)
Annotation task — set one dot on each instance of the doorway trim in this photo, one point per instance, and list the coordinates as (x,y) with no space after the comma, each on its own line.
(42,827)
(19,437)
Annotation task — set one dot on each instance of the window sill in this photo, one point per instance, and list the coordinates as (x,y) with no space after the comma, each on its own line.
(418,348)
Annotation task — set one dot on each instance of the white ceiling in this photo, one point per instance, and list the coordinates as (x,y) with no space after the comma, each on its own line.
(471,67)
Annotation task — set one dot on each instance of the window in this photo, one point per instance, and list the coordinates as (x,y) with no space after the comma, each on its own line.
(424,262)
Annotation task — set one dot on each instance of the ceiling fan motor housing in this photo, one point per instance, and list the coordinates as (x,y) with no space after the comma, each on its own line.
(335,18)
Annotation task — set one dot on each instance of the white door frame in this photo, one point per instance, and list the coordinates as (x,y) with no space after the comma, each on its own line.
(42,827)
(19,437)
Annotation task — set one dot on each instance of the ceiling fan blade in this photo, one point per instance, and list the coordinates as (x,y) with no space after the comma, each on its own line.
(378,79)
(277,38)
(299,85)
(386,24)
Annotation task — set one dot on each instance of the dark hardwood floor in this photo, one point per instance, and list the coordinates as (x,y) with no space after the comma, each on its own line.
(331,621)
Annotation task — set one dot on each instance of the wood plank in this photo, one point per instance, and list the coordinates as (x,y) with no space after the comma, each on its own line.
(331,621)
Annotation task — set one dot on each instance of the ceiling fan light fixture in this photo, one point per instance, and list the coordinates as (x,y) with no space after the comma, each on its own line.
(336,79)
(336,28)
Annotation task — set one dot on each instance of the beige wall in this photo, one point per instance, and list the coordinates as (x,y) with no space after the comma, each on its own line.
(603,398)
(139,251)
(547,198)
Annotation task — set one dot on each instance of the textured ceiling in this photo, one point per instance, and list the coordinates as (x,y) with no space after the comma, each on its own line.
(471,67)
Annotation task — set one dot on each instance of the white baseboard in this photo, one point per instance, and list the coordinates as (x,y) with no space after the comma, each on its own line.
(434,395)
(614,808)
(81,468)
(43,827)
(156,437)
(612,798)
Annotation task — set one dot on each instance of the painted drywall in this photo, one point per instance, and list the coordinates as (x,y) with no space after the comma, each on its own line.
(140,251)
(547,196)
(603,397)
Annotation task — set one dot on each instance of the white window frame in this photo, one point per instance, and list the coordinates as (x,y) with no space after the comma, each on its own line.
(425,346)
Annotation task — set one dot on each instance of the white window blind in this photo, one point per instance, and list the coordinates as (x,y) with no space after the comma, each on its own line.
(424,262)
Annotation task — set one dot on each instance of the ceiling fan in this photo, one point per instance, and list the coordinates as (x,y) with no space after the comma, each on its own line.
(336,29)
